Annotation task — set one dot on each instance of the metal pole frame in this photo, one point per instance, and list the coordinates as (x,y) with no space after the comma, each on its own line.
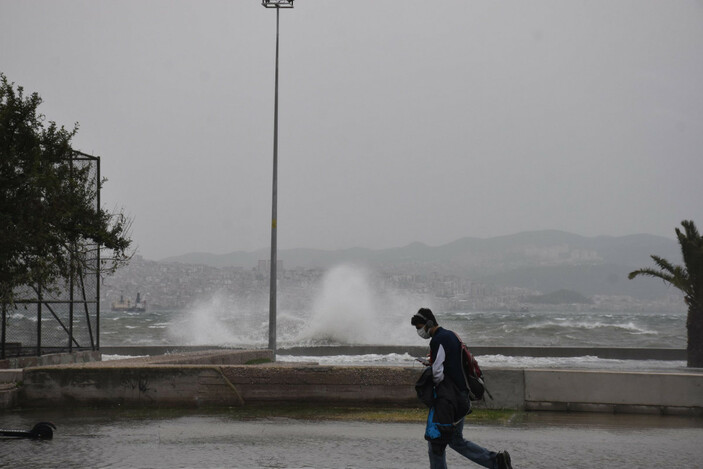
(4,331)
(71,276)
(39,303)
(98,183)
(274,209)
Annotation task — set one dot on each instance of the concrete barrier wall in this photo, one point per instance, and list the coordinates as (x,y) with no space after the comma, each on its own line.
(187,379)
(613,391)
(194,385)
(333,384)
(210,379)
(164,385)
(83,356)
(507,387)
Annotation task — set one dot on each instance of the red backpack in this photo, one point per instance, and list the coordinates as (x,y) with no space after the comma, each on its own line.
(472,373)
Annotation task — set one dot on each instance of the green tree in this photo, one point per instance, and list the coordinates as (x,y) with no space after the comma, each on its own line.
(689,279)
(48,211)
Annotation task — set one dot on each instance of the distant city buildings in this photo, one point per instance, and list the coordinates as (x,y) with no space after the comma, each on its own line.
(174,286)
(264,267)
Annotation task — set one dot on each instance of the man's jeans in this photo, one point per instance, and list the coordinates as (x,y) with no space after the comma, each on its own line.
(464,447)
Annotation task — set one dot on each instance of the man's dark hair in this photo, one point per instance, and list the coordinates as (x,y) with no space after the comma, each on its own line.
(423,316)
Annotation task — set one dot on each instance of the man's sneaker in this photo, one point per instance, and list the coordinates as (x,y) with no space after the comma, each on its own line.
(503,459)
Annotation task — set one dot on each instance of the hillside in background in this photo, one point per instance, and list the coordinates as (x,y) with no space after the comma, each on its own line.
(544,261)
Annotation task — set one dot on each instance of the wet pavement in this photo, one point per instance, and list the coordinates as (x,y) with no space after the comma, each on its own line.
(148,439)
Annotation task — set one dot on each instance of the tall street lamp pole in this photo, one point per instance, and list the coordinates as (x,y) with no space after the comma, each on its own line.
(277,4)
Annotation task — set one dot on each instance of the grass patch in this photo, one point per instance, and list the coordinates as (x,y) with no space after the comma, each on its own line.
(258,361)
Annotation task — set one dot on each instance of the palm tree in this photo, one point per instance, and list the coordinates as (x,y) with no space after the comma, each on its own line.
(689,279)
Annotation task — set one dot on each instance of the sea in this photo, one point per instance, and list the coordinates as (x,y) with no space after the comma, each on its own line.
(350,307)
(210,324)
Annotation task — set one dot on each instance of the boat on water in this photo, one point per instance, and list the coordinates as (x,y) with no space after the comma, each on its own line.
(136,307)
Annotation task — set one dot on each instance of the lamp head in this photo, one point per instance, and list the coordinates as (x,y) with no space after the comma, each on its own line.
(277,3)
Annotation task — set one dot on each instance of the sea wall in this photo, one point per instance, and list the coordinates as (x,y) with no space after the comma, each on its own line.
(148,385)
(608,391)
(224,385)
(82,356)
(221,379)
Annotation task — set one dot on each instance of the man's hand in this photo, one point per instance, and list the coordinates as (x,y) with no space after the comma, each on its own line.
(424,361)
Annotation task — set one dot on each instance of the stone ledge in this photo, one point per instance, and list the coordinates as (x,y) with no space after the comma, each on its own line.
(613,408)
(83,356)
(10,375)
(614,388)
(9,398)
(198,357)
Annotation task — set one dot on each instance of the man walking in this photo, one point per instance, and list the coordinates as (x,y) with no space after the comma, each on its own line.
(451,404)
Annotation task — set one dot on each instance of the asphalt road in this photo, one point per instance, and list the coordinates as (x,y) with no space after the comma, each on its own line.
(537,440)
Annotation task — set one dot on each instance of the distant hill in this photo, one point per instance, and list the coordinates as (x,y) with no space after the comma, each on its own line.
(483,256)
(559,298)
(547,261)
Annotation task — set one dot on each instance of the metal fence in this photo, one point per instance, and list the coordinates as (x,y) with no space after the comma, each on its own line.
(66,317)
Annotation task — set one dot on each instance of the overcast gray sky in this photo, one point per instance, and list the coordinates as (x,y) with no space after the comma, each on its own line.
(399,121)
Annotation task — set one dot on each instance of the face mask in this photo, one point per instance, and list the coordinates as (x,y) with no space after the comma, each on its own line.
(424,333)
